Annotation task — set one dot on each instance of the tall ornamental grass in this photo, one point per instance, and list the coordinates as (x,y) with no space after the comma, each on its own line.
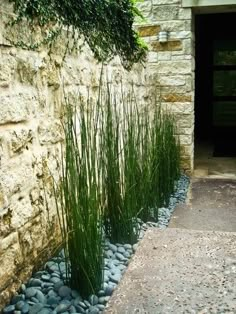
(79,202)
(120,163)
(119,135)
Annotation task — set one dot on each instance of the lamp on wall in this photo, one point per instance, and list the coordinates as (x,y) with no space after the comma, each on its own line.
(163,37)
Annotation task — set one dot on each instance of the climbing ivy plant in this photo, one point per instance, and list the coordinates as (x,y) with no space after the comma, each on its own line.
(105,25)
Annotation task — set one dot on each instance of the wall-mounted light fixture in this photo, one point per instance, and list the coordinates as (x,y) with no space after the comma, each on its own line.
(163,37)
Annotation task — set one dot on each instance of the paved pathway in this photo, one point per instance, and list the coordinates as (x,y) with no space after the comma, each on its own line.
(185,269)
(211,205)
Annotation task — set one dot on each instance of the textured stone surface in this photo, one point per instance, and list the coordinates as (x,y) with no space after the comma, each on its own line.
(179,271)
(169,46)
(151,30)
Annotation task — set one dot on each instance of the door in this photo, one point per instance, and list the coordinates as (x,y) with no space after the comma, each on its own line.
(224,97)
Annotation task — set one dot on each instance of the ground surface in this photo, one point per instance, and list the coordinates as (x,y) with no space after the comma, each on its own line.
(210,205)
(179,270)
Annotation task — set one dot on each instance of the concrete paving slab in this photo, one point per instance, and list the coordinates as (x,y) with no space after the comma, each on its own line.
(211,205)
(179,271)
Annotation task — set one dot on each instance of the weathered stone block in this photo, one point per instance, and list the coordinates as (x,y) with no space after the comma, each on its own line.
(16,174)
(185,14)
(168,46)
(53,76)
(174,67)
(165,13)
(7,68)
(15,107)
(145,7)
(149,30)
(10,259)
(179,108)
(180,35)
(8,241)
(172,80)
(26,71)
(186,139)
(184,120)
(187,164)
(187,150)
(164,55)
(185,130)
(19,139)
(173,26)
(22,211)
(50,132)
(188,46)
(181,89)
(152,57)
(5,222)
(3,198)
(176,98)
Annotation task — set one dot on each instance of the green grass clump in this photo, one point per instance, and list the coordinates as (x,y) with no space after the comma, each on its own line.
(79,203)
(120,168)
(161,162)
(120,163)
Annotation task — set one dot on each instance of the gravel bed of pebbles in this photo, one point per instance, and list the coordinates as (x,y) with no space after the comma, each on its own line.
(46,292)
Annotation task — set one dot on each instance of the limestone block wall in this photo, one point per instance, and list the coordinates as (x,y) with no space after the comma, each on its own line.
(170,65)
(32,87)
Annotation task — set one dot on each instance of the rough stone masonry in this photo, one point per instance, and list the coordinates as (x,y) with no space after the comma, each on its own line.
(32,87)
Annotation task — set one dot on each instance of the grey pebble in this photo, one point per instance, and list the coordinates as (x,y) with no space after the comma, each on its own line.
(40,296)
(52,300)
(30,292)
(46,277)
(45,311)
(19,305)
(93,310)
(112,247)
(121,250)
(62,307)
(101,293)
(93,299)
(128,246)
(25,308)
(34,282)
(58,285)
(9,309)
(75,294)
(35,308)
(108,290)
(17,298)
(87,303)
(55,279)
(35,300)
(78,300)
(120,257)
(109,254)
(80,309)
(127,254)
(73,309)
(64,291)
(101,307)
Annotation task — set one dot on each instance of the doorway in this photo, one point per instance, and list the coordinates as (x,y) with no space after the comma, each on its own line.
(215,93)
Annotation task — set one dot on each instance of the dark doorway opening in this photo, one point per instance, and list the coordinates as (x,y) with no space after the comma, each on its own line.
(215,83)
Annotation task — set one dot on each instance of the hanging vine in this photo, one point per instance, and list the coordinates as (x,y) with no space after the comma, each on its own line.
(105,25)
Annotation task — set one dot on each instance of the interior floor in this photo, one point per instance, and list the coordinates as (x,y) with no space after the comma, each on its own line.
(205,165)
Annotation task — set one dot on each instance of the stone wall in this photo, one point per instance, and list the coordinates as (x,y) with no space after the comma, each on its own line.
(32,86)
(170,65)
